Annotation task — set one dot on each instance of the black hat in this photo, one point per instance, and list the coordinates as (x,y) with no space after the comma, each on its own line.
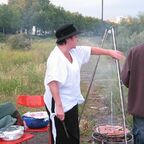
(66,31)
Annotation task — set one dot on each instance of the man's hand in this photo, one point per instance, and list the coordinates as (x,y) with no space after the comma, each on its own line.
(60,112)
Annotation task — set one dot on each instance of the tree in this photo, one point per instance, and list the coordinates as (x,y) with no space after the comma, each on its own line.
(10,19)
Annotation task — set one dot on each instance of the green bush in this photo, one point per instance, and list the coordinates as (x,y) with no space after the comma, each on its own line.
(19,41)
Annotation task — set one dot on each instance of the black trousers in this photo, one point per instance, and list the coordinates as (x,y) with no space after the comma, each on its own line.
(71,125)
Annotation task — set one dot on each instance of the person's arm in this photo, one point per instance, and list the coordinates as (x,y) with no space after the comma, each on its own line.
(54,88)
(126,70)
(100,51)
(125,74)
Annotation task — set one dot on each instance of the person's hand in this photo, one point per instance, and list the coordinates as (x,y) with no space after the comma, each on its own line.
(60,112)
(117,54)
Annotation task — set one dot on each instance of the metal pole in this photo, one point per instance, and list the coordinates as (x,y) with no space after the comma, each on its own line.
(120,85)
(102,12)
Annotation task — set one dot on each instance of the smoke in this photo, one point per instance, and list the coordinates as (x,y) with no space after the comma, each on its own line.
(105,90)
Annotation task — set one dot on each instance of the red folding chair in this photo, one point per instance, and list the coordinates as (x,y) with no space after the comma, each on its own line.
(34,102)
(24,138)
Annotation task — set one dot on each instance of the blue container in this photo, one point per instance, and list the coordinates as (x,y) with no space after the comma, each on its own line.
(35,123)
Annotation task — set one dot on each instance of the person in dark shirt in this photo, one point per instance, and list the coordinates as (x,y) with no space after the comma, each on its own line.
(132,76)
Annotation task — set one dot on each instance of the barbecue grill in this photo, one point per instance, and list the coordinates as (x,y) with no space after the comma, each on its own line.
(109,134)
(103,139)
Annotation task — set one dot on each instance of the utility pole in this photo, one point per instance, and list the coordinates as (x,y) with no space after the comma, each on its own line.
(102,12)
(102,21)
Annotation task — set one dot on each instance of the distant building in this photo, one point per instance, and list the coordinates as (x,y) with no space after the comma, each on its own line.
(33,30)
(118,19)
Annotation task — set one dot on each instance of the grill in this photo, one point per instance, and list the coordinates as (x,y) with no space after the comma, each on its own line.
(107,134)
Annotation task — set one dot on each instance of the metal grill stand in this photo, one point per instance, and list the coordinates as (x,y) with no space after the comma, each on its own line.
(126,138)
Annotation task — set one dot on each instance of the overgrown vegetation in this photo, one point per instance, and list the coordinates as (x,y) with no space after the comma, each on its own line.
(19,41)
(22,72)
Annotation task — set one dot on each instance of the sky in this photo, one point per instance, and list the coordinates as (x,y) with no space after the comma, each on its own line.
(111,8)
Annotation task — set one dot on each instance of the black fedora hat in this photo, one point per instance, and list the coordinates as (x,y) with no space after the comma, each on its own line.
(66,31)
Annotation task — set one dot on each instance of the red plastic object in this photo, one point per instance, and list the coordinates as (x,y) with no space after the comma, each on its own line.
(35,101)
(25,137)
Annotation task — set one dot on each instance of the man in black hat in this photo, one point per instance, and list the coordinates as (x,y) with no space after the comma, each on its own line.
(62,83)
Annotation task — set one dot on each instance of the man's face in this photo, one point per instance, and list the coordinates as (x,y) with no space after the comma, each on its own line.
(73,41)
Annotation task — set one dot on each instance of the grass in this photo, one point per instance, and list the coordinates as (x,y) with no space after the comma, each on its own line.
(22,72)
